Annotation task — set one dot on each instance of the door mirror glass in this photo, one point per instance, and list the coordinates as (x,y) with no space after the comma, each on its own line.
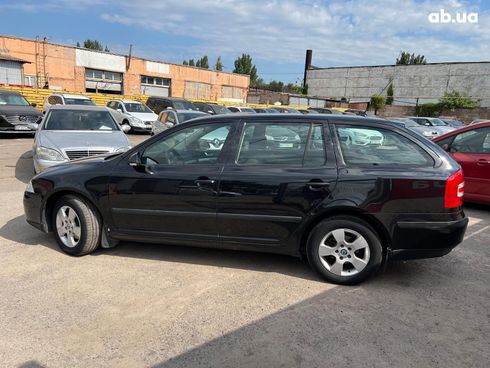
(445,147)
(33,104)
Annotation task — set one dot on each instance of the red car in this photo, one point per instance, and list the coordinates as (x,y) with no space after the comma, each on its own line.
(470,146)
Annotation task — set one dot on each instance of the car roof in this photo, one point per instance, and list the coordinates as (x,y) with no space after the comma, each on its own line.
(168,98)
(78,107)
(69,95)
(5,92)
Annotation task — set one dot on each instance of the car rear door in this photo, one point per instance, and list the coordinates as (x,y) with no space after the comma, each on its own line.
(280,171)
(472,151)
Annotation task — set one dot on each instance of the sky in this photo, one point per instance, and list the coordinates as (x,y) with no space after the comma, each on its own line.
(275,33)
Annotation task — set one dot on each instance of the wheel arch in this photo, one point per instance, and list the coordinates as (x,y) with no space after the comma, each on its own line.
(47,212)
(378,227)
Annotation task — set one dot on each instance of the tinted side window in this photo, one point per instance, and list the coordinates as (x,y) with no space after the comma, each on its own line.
(369,146)
(280,144)
(200,144)
(473,141)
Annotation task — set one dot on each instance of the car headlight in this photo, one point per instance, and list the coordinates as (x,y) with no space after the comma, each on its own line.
(30,188)
(122,149)
(134,121)
(48,154)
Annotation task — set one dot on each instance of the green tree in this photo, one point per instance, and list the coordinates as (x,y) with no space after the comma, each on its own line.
(389,94)
(107,49)
(78,44)
(405,58)
(456,100)
(185,62)
(93,45)
(377,102)
(191,62)
(198,63)
(204,62)
(244,65)
(218,65)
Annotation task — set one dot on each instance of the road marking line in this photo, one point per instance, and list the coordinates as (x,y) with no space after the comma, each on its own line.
(477,232)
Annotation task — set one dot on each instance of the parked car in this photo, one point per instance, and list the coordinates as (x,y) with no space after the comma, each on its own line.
(286,110)
(133,113)
(452,122)
(17,115)
(169,118)
(427,131)
(307,111)
(470,146)
(66,99)
(220,182)
(242,109)
(158,104)
(265,110)
(70,133)
(213,109)
(324,110)
(435,123)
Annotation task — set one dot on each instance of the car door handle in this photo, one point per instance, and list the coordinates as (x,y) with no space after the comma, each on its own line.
(482,162)
(317,185)
(201,181)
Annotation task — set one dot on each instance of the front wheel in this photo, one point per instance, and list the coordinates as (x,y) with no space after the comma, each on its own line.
(77,226)
(344,250)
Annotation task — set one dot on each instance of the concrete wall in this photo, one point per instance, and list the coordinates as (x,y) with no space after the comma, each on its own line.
(65,69)
(427,82)
(464,115)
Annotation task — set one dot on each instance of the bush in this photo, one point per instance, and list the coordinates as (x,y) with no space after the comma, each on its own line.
(429,109)
(377,102)
(455,100)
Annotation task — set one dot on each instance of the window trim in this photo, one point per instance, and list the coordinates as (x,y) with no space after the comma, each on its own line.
(356,125)
(311,123)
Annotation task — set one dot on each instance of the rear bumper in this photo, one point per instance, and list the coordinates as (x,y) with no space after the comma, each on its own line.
(413,240)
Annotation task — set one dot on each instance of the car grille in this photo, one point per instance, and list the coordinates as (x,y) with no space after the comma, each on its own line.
(23,119)
(76,154)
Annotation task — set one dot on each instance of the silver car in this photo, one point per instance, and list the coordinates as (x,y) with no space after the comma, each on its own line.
(70,133)
(427,131)
(170,117)
(433,123)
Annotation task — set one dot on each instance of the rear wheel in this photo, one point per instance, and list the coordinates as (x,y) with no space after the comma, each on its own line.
(344,250)
(77,226)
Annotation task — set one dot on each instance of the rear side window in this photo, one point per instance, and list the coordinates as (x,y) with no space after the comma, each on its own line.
(472,141)
(282,144)
(369,146)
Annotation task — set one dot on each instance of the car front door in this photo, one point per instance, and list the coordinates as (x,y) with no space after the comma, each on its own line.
(279,173)
(472,151)
(167,189)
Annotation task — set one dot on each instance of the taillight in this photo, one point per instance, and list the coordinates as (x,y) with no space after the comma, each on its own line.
(453,196)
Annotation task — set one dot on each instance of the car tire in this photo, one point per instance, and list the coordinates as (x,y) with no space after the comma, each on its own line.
(77,225)
(344,250)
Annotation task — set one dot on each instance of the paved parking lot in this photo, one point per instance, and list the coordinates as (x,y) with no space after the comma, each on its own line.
(148,305)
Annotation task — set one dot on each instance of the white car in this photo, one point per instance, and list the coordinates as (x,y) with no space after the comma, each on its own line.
(242,109)
(66,99)
(133,113)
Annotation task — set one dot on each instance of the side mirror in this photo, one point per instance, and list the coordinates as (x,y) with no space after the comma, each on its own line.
(119,110)
(126,128)
(427,124)
(33,104)
(445,147)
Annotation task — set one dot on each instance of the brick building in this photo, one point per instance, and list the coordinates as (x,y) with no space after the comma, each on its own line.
(61,67)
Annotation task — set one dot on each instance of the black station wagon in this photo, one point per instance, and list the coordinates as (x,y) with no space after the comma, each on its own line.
(347,192)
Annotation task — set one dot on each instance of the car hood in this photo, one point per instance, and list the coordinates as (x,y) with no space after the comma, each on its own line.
(18,110)
(62,140)
(144,116)
(443,129)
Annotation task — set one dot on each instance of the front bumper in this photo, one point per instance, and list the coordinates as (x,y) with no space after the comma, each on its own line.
(33,211)
(41,165)
(413,240)
(146,129)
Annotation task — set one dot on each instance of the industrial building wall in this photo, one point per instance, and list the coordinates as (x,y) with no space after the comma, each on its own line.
(65,68)
(427,82)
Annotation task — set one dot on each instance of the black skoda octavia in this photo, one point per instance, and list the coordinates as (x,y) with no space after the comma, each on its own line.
(347,192)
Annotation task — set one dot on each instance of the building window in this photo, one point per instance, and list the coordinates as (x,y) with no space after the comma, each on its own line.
(103,81)
(155,81)
(30,80)
(231,92)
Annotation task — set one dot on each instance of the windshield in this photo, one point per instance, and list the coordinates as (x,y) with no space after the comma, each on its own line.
(137,107)
(80,120)
(13,99)
(437,122)
(184,116)
(79,101)
(184,105)
(247,109)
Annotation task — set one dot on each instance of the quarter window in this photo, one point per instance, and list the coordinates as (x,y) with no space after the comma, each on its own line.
(190,146)
(473,141)
(281,144)
(379,147)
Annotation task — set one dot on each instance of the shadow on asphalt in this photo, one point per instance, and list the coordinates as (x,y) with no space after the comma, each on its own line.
(24,168)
